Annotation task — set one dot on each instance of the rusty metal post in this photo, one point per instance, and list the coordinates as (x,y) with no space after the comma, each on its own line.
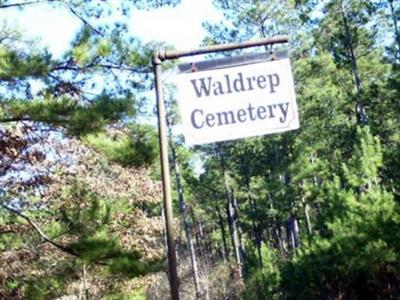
(172,266)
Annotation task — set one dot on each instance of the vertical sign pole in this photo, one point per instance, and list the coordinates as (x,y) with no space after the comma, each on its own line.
(172,270)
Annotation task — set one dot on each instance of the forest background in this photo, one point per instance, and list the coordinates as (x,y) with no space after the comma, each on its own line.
(309,214)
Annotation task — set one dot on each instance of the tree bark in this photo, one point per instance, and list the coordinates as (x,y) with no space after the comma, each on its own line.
(238,225)
(350,50)
(256,227)
(292,229)
(308,219)
(85,284)
(360,109)
(276,228)
(231,225)
(225,250)
(229,214)
(204,251)
(187,227)
(292,225)
(306,212)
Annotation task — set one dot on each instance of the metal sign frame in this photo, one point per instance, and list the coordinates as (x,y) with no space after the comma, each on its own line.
(159,57)
(227,62)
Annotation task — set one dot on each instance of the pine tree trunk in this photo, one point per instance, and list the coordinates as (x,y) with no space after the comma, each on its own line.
(231,225)
(360,109)
(350,50)
(238,225)
(205,253)
(306,212)
(278,237)
(276,229)
(256,229)
(292,226)
(85,285)
(186,225)
(229,215)
(225,250)
(188,231)
(205,261)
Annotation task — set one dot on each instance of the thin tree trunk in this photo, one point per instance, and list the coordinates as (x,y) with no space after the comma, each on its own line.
(19,5)
(256,229)
(205,244)
(292,225)
(186,225)
(281,241)
(229,215)
(306,212)
(308,219)
(350,50)
(205,251)
(231,225)
(360,109)
(276,228)
(238,225)
(85,286)
(293,232)
(225,250)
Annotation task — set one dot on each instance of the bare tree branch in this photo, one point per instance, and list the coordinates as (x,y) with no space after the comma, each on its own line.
(7,231)
(14,119)
(84,21)
(20,4)
(141,70)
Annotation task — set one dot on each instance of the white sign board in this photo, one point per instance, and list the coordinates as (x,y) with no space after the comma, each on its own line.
(237,102)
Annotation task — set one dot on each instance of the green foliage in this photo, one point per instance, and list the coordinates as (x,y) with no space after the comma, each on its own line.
(78,119)
(42,289)
(87,214)
(262,283)
(337,182)
(317,209)
(89,219)
(15,65)
(92,87)
(360,254)
(133,295)
(137,147)
(366,161)
(129,265)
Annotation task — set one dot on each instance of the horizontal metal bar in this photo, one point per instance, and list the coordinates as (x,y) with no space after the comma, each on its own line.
(173,54)
(228,62)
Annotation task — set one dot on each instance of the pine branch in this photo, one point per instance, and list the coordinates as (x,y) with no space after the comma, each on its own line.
(43,235)
(38,230)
